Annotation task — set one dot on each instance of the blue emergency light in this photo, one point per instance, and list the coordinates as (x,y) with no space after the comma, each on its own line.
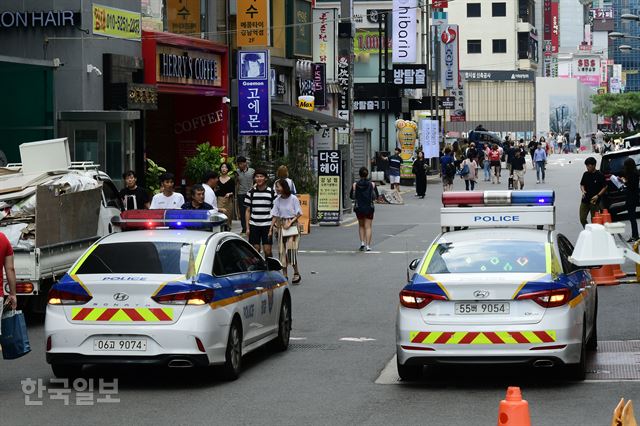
(171,219)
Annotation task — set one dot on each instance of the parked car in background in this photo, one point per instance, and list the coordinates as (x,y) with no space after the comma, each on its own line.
(612,164)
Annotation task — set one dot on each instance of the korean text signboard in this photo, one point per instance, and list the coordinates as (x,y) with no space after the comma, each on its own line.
(343,82)
(252,23)
(329,186)
(183,17)
(254,102)
(302,29)
(324,32)
(117,23)
(409,76)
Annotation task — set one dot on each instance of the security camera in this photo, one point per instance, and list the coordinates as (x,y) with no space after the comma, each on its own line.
(93,68)
(225,100)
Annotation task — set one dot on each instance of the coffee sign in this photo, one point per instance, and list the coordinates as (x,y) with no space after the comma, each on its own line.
(188,67)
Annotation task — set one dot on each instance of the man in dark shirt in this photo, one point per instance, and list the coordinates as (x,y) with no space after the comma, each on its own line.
(593,185)
(197,199)
(519,168)
(395,161)
(133,197)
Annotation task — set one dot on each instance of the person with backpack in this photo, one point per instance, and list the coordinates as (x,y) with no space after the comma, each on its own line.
(494,161)
(469,173)
(364,193)
(419,169)
(447,170)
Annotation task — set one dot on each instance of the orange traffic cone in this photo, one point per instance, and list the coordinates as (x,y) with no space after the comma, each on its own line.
(617,270)
(605,274)
(514,411)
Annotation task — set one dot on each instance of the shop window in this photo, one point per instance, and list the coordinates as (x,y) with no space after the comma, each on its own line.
(473,10)
(115,155)
(500,46)
(474,46)
(87,146)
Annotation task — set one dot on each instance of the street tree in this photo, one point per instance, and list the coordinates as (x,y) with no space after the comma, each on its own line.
(625,105)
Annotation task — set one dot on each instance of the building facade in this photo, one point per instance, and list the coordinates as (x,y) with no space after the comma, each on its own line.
(630,61)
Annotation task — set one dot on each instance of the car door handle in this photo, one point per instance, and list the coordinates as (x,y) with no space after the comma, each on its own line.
(239,291)
(259,288)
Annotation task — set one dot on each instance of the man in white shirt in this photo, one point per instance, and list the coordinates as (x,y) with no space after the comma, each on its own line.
(209,183)
(167,199)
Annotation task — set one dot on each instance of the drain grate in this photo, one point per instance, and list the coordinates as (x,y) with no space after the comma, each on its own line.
(312,346)
(615,360)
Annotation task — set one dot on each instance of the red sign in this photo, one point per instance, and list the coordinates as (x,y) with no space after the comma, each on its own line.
(547,20)
(555,28)
(439,4)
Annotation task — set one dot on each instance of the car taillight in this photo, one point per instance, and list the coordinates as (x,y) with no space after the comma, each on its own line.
(196,297)
(24,287)
(61,297)
(418,299)
(548,298)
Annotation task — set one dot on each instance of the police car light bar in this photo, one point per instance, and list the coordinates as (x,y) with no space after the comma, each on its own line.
(172,219)
(498,198)
(491,209)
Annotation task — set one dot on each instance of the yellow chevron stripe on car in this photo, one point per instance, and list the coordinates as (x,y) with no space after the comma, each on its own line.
(122,314)
(482,337)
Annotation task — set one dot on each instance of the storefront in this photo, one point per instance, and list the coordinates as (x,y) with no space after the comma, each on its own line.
(191,78)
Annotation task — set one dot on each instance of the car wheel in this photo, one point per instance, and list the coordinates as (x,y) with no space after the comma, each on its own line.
(233,355)
(409,373)
(592,343)
(281,343)
(66,371)
(579,371)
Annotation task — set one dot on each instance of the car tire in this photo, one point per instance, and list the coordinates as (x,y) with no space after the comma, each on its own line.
(230,370)
(592,343)
(66,371)
(578,371)
(281,343)
(409,373)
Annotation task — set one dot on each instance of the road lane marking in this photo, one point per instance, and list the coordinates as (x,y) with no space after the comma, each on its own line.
(357,339)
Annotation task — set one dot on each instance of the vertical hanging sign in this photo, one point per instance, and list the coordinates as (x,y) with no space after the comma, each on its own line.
(404,32)
(252,23)
(329,186)
(324,34)
(449,59)
(254,102)
(319,77)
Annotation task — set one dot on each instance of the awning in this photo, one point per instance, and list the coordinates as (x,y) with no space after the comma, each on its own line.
(312,116)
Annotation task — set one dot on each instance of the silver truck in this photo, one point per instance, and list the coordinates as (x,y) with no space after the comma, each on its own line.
(52,210)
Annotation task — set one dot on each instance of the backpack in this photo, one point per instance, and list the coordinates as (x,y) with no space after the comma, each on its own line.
(464,171)
(450,169)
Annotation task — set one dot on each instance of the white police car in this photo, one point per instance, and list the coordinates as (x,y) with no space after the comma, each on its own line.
(500,290)
(177,297)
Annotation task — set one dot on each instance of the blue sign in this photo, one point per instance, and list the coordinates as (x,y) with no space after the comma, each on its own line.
(254,100)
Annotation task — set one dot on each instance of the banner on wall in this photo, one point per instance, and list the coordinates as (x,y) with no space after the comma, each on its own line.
(555,27)
(404,32)
(252,23)
(116,23)
(329,187)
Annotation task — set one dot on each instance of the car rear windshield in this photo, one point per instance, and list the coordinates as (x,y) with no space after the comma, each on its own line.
(612,164)
(488,256)
(149,257)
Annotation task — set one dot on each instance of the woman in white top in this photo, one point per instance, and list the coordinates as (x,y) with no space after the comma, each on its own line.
(286,211)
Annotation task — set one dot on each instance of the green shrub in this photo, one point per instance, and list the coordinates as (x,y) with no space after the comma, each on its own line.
(207,158)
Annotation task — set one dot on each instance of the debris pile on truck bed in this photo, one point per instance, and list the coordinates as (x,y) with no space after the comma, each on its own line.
(18,200)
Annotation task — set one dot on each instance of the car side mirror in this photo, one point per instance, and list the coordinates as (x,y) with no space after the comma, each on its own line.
(273,264)
(414,264)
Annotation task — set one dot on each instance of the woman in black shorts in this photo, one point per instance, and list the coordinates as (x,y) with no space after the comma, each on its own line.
(364,193)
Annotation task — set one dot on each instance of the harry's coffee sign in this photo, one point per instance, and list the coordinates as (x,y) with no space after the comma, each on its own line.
(188,67)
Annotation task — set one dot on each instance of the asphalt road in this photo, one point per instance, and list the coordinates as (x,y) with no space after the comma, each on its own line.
(343,338)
